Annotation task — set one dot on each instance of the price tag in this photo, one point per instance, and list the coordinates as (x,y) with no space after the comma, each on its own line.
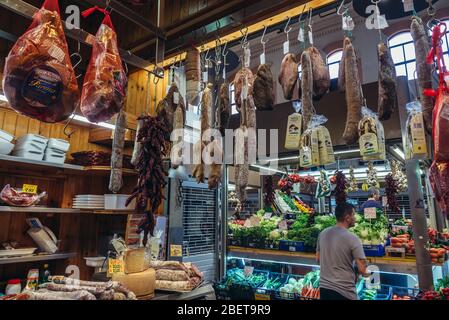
(261,296)
(247,223)
(286,47)
(29,188)
(115,266)
(301,36)
(297,188)
(175,97)
(384,201)
(267,215)
(175,250)
(248,270)
(247,57)
(408,5)
(370,213)
(255,221)
(311,37)
(205,76)
(262,58)
(348,23)
(283,225)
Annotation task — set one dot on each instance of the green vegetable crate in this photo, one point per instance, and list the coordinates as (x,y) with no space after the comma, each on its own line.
(287,295)
(234,242)
(292,246)
(257,244)
(243,289)
(374,250)
(383,292)
(221,291)
(268,290)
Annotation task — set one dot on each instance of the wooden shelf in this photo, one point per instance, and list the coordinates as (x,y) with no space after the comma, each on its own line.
(37,257)
(38,209)
(11,163)
(406,265)
(104,137)
(196,293)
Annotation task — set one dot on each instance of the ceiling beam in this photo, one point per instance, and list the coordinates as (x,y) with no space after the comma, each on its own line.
(131,15)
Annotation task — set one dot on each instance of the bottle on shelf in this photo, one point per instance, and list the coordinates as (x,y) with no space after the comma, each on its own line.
(45,275)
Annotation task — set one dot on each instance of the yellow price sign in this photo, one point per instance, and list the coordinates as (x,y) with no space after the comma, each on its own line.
(176,250)
(262,296)
(29,188)
(115,266)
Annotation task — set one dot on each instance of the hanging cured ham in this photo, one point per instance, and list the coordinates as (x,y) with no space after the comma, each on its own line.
(39,80)
(104,85)
(288,76)
(387,83)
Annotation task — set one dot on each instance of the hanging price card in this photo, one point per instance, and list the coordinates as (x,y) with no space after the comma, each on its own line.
(311,37)
(301,34)
(175,97)
(262,58)
(267,215)
(286,47)
(408,5)
(370,213)
(384,201)
(205,76)
(29,188)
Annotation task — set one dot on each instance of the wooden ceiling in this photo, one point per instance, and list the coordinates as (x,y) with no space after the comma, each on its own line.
(182,22)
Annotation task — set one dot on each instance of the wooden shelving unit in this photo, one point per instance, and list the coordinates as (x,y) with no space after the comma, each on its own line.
(38,209)
(44,167)
(37,257)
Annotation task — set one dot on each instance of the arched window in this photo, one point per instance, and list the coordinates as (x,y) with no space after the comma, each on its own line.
(403,53)
(333,62)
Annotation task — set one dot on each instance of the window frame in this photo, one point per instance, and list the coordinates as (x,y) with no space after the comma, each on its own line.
(337,62)
(402,45)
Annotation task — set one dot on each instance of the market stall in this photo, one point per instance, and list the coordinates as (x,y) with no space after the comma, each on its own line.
(144,156)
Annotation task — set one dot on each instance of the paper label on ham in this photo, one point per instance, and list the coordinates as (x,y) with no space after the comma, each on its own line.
(56,53)
(311,37)
(348,23)
(42,87)
(262,58)
(175,97)
(408,5)
(301,35)
(205,76)
(286,46)
(247,57)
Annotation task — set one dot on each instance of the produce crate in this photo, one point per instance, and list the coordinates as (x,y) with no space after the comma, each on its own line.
(243,291)
(383,293)
(221,292)
(258,244)
(402,291)
(374,250)
(293,246)
(272,245)
(234,242)
(277,295)
(262,291)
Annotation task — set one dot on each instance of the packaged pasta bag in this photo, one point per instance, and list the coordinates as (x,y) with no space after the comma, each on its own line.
(325,147)
(369,140)
(416,144)
(294,126)
(309,153)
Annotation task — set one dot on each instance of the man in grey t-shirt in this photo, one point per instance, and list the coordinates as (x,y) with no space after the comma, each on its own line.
(337,250)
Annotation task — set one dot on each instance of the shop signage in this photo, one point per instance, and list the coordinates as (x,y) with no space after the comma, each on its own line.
(115,266)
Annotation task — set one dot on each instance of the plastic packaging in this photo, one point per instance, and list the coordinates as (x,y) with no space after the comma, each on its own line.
(58,144)
(13,287)
(415,136)
(39,80)
(372,136)
(294,127)
(5,146)
(104,85)
(6,136)
(15,198)
(316,145)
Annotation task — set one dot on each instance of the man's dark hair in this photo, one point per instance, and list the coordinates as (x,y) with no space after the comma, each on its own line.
(342,210)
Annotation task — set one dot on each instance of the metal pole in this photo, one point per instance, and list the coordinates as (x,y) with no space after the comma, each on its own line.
(416,198)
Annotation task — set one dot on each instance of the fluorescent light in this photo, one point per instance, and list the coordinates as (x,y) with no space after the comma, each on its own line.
(398,152)
(282,159)
(3,98)
(101,124)
(347,151)
(266,168)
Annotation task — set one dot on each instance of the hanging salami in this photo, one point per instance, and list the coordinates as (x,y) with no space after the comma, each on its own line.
(104,85)
(39,80)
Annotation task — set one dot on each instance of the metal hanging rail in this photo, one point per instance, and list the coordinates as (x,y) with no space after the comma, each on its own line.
(26,10)
(130,15)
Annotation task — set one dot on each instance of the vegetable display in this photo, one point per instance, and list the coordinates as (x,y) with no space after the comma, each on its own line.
(372,231)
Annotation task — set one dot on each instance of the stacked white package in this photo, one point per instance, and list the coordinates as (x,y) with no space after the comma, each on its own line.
(56,150)
(88,201)
(6,144)
(30,146)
